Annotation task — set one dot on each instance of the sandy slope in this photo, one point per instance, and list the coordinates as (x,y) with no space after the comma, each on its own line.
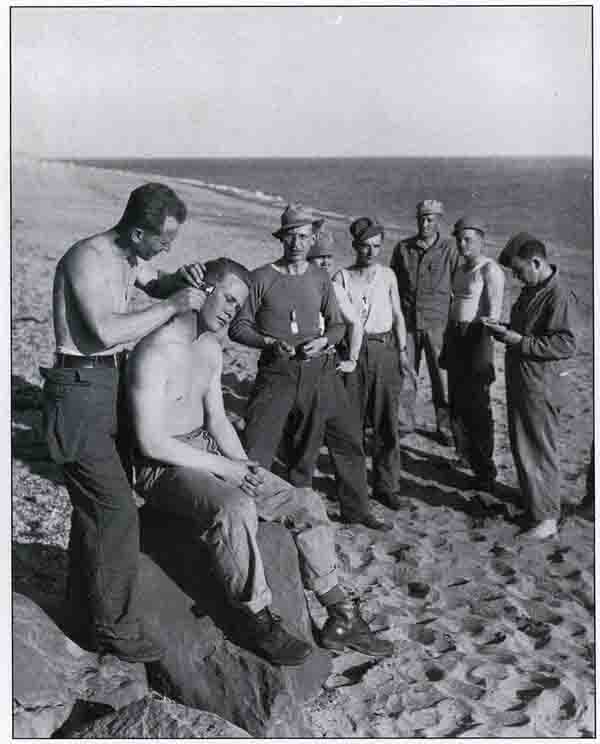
(494,634)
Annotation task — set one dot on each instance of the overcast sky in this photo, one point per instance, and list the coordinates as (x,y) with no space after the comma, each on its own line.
(352,81)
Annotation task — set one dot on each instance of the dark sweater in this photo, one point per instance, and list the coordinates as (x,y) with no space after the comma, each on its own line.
(273,298)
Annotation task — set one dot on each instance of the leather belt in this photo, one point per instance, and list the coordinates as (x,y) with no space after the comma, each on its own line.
(72,361)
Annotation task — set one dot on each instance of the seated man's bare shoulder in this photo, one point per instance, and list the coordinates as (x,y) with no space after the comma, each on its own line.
(208,354)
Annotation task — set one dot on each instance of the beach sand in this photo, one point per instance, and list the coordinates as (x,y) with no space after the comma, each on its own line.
(494,633)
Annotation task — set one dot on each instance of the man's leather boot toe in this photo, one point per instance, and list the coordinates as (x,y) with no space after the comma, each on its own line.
(345,628)
(267,637)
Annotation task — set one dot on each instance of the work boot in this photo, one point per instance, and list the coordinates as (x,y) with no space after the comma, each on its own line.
(443,426)
(135,650)
(345,628)
(368,520)
(265,635)
(391,499)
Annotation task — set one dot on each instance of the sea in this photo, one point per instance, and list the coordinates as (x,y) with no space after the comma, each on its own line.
(551,197)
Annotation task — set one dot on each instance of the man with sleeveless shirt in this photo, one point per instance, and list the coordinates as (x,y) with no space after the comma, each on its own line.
(468,353)
(297,388)
(375,384)
(92,322)
(424,264)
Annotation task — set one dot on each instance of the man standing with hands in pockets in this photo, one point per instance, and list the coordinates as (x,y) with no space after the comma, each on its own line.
(92,323)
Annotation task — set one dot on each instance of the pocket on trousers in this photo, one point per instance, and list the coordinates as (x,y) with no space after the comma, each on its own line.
(64,416)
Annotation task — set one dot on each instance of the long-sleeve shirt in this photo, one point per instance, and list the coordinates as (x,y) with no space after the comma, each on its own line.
(544,315)
(287,307)
(424,280)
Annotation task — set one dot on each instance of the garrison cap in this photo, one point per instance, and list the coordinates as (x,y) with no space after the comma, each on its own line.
(364,228)
(469,222)
(429,206)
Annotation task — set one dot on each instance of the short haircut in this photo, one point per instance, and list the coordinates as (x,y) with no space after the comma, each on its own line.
(523,246)
(149,206)
(217,269)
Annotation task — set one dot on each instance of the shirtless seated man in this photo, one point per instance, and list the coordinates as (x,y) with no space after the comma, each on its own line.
(190,462)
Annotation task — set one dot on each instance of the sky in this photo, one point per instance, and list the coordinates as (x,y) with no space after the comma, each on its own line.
(301,81)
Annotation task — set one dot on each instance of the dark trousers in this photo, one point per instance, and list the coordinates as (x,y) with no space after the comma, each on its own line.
(426,344)
(468,355)
(472,422)
(375,388)
(80,416)
(533,430)
(304,398)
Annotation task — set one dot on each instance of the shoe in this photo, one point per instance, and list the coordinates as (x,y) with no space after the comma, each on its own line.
(135,650)
(345,628)
(265,635)
(545,528)
(369,520)
(391,500)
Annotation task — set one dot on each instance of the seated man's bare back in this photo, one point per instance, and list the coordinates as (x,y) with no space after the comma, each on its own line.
(191,462)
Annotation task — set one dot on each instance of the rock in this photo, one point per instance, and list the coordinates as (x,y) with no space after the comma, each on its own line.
(184,607)
(51,673)
(158,719)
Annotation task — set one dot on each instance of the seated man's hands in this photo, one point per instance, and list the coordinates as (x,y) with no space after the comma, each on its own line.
(245,474)
(191,274)
(406,367)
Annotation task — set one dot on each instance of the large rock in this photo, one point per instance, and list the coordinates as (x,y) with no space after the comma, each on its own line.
(158,719)
(52,676)
(184,607)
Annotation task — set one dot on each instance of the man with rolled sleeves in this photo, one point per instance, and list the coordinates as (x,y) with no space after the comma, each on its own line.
(424,265)
(468,352)
(540,337)
(292,315)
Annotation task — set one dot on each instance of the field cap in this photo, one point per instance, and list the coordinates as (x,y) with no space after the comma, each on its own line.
(323,246)
(429,206)
(364,228)
(294,215)
(514,246)
(470,222)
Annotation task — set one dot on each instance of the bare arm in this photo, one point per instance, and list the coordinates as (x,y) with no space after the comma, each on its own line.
(350,318)
(86,274)
(161,284)
(217,422)
(493,291)
(397,315)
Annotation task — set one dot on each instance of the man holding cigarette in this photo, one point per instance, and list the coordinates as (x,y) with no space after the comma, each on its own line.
(292,315)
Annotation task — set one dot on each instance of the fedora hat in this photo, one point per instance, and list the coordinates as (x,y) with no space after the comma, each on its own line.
(294,215)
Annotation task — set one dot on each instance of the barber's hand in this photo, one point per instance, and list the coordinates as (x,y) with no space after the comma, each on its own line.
(280,347)
(187,299)
(346,366)
(192,274)
(316,346)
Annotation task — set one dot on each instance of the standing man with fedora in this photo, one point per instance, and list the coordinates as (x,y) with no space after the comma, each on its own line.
(291,314)
(468,352)
(424,265)
(92,323)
